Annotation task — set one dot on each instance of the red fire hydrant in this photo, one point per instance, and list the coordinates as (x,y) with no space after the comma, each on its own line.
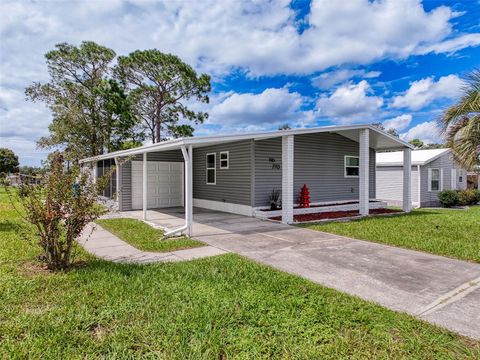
(304,197)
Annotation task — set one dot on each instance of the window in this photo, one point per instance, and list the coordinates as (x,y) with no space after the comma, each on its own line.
(352,166)
(224,160)
(434,181)
(211,169)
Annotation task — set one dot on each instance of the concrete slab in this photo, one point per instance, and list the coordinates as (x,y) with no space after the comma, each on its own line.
(400,279)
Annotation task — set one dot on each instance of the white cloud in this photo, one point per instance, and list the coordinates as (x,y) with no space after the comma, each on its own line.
(452,45)
(329,79)
(425,91)
(398,123)
(22,124)
(266,110)
(350,103)
(428,132)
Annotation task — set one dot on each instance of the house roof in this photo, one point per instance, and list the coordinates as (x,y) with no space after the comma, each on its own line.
(379,140)
(419,157)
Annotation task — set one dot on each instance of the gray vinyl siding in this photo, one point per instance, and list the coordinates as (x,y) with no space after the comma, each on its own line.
(268,156)
(318,163)
(233,185)
(390,184)
(125,194)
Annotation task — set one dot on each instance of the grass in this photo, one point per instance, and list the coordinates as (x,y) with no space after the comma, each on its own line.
(452,233)
(220,307)
(145,237)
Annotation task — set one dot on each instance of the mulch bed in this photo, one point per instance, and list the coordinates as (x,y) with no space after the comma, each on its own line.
(335,215)
(323,205)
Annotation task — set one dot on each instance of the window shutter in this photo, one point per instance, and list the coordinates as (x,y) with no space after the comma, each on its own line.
(454,179)
(429,179)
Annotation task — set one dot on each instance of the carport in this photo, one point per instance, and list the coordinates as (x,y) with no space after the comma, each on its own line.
(162,174)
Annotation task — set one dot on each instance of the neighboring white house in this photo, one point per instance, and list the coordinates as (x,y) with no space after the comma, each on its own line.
(432,171)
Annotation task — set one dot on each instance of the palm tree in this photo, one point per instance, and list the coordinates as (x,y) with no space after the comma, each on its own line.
(461,123)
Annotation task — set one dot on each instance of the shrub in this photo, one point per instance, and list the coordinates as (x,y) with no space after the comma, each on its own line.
(59,209)
(467,197)
(448,198)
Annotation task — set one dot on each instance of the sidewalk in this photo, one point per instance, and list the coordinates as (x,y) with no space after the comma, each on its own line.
(105,245)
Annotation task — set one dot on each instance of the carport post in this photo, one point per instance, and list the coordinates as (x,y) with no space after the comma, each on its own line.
(407,180)
(188,157)
(144,187)
(189,192)
(287,178)
(364,154)
(117,180)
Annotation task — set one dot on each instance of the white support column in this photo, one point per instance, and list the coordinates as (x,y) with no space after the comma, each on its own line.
(144,187)
(419,187)
(287,178)
(117,181)
(189,191)
(407,180)
(364,155)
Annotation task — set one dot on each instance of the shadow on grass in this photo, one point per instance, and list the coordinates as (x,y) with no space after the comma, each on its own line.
(9,226)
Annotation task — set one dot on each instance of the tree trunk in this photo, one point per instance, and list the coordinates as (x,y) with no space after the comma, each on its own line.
(157,131)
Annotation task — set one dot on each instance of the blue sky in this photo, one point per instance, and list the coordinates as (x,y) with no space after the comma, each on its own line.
(305,63)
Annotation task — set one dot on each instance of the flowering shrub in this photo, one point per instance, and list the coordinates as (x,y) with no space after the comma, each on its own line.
(59,209)
(467,197)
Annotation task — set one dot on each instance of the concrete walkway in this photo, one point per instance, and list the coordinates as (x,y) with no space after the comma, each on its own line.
(434,288)
(105,245)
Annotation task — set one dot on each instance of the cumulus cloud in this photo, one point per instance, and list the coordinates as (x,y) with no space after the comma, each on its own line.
(22,124)
(328,80)
(398,123)
(428,132)
(260,37)
(350,103)
(425,91)
(266,110)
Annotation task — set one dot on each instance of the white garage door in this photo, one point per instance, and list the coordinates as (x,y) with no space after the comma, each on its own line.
(164,184)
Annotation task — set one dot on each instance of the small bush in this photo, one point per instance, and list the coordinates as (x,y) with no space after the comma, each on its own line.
(467,197)
(478,196)
(448,198)
(59,209)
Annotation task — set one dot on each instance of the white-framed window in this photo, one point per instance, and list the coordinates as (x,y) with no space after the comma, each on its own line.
(352,166)
(224,160)
(434,179)
(211,166)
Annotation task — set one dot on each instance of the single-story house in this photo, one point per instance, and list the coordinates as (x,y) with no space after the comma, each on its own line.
(237,173)
(433,170)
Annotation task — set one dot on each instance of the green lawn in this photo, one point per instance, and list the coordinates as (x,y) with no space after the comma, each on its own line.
(144,237)
(220,307)
(453,233)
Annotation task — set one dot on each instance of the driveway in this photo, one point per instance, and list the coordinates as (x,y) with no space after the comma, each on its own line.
(437,289)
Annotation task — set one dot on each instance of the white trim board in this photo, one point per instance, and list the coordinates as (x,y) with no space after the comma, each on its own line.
(224,206)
